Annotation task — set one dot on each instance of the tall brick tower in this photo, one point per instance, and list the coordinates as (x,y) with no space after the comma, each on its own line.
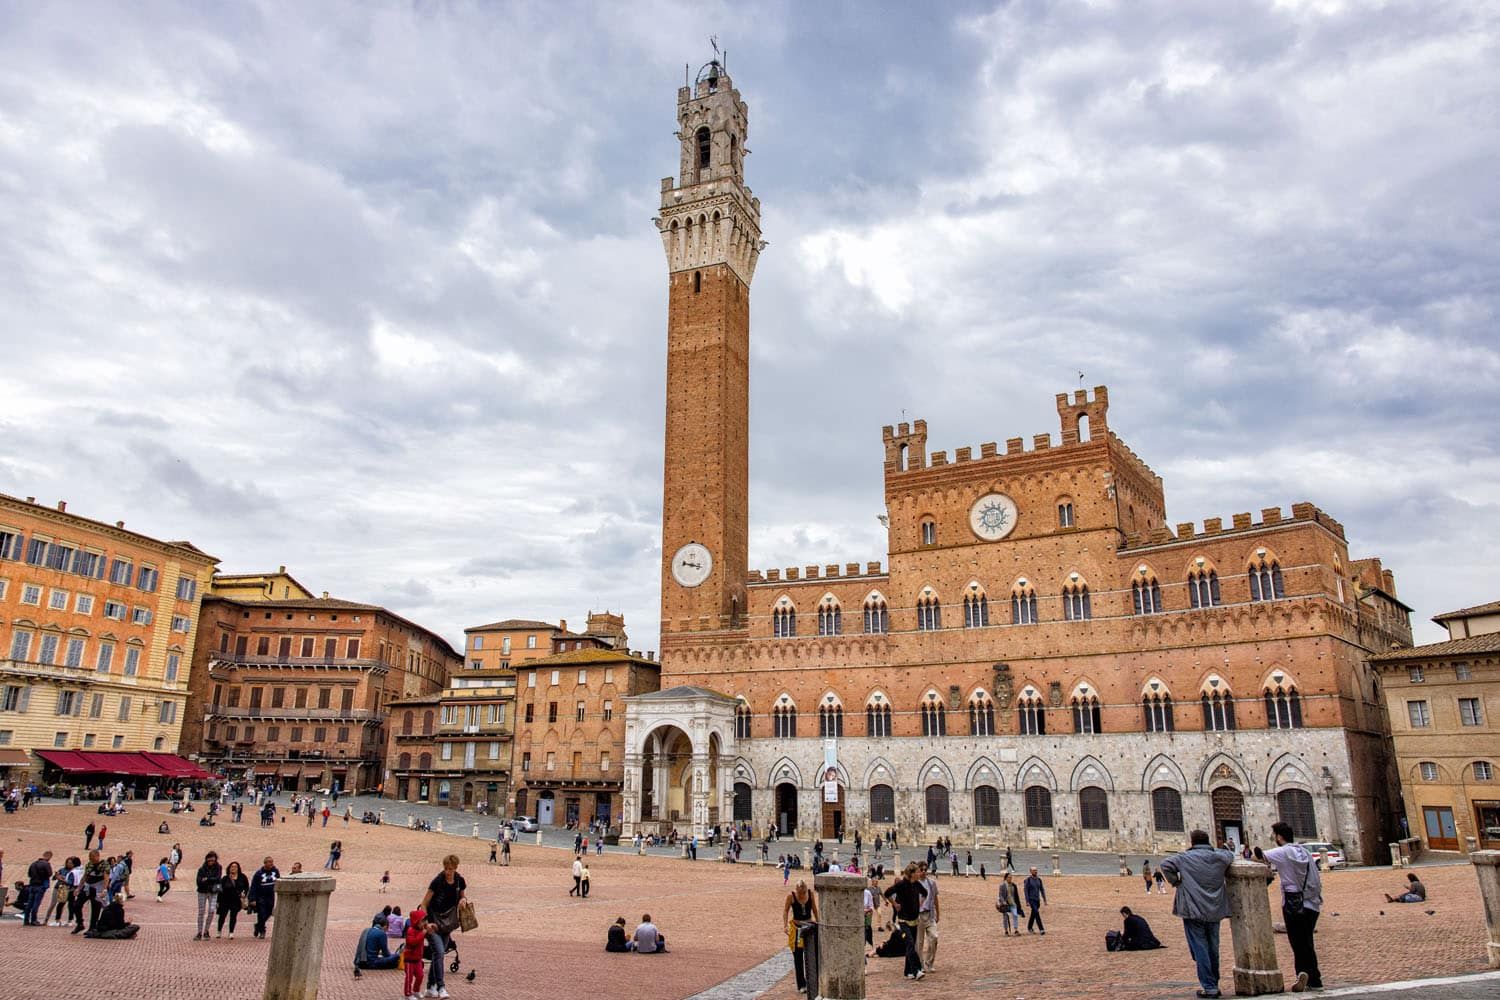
(710,229)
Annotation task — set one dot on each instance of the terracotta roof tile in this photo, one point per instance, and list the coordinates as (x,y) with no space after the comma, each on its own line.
(1492,608)
(1469,646)
(509,623)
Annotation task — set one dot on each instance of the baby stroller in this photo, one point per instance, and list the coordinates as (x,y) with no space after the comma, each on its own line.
(451,948)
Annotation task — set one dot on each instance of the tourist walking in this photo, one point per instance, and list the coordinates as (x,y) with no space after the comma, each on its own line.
(441,901)
(38,876)
(88,836)
(928,914)
(585,883)
(174,858)
(207,881)
(263,894)
(1010,864)
(1146,874)
(801,906)
(233,892)
(1008,902)
(65,885)
(335,851)
(95,888)
(1202,902)
(1301,902)
(163,878)
(505,853)
(1036,897)
(577,889)
(906,897)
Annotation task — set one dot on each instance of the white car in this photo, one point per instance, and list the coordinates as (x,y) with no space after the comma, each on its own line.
(524,824)
(1326,854)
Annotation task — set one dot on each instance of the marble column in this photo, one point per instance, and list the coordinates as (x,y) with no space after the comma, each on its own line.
(1487,867)
(700,797)
(296,956)
(1255,968)
(841,935)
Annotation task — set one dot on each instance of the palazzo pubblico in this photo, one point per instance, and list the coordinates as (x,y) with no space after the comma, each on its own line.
(1042,660)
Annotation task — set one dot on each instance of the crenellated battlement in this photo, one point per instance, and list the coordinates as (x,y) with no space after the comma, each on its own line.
(830,571)
(1212,527)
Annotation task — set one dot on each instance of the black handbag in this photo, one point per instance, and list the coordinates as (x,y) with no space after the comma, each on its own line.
(1292,902)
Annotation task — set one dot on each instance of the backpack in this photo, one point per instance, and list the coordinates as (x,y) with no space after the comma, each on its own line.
(1112,940)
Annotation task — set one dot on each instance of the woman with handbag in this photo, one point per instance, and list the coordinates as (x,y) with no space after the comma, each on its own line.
(233,888)
(1009,904)
(441,901)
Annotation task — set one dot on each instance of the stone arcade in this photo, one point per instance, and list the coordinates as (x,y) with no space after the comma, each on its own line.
(1042,660)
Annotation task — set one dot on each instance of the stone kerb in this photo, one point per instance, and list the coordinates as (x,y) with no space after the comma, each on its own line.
(1487,867)
(1255,968)
(841,935)
(296,958)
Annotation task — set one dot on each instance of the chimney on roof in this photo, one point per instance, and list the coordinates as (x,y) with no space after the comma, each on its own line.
(562,624)
(31,499)
(651,654)
(325,595)
(281,569)
(62,506)
(119,524)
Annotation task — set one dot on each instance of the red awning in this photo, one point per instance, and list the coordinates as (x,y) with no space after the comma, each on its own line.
(108,762)
(174,766)
(125,763)
(66,759)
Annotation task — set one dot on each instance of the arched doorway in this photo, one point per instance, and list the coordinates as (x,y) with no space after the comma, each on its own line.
(468,794)
(667,778)
(1229,816)
(741,802)
(545,815)
(786,809)
(833,815)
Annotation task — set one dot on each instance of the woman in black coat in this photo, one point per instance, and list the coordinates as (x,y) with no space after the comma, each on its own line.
(232,889)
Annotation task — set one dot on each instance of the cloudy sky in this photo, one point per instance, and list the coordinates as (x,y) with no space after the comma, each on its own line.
(372,290)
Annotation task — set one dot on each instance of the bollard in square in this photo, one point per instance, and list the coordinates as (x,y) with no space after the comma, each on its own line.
(1487,867)
(841,935)
(1255,968)
(296,958)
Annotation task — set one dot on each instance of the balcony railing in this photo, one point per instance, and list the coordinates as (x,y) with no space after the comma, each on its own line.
(247,660)
(294,714)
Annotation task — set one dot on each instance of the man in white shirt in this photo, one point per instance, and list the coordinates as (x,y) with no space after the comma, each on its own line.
(1301,901)
(647,939)
(577,889)
(927,919)
(872,893)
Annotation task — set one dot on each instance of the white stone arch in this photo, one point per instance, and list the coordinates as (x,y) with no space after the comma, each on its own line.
(830,599)
(1034,771)
(1208,686)
(873,597)
(660,724)
(1238,777)
(1154,685)
(831,698)
(877,697)
(785,601)
(744,770)
(880,772)
(1162,772)
(1084,690)
(1289,771)
(1279,677)
(785,769)
(984,772)
(934,771)
(1091,771)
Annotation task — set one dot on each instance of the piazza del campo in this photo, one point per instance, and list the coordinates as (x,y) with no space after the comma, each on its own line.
(1045,691)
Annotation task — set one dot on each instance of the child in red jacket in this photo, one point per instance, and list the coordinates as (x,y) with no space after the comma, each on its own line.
(417,926)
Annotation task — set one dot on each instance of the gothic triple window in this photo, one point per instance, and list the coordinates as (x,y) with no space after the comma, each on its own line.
(934,719)
(830,720)
(1086,717)
(1076,606)
(877,616)
(784,721)
(742,721)
(1283,706)
(877,719)
(981,716)
(830,618)
(1265,580)
(1218,711)
(929,614)
(1158,709)
(784,622)
(1145,596)
(1203,588)
(1033,715)
(976,611)
(1023,607)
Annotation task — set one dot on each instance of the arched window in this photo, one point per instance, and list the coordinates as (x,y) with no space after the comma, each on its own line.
(1093,808)
(882,804)
(830,720)
(1145,596)
(986,806)
(742,721)
(1203,588)
(784,721)
(1296,809)
(877,719)
(406,720)
(1158,708)
(929,613)
(1218,711)
(427,723)
(981,715)
(976,611)
(830,618)
(1086,714)
(404,762)
(741,802)
(1265,579)
(1076,607)
(424,762)
(1023,606)
(705,147)
(521,799)
(934,719)
(877,616)
(929,531)
(1033,714)
(1283,706)
(1166,810)
(1065,513)
(1039,806)
(784,622)
(159,743)
(936,800)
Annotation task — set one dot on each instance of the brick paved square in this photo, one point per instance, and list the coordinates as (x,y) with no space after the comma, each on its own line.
(536,941)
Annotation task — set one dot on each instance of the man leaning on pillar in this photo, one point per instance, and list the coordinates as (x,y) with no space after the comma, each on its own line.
(1202,902)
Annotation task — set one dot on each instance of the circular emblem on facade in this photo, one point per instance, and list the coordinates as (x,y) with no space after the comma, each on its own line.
(993,516)
(692,564)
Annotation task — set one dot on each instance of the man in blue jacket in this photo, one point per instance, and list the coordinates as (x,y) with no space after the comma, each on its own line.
(1202,902)
(372,952)
(1036,895)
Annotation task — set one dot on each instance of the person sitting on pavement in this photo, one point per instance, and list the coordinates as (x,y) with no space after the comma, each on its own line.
(1415,891)
(648,940)
(1137,935)
(112,923)
(616,940)
(372,951)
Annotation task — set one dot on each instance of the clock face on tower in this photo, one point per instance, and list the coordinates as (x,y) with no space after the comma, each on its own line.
(993,516)
(692,564)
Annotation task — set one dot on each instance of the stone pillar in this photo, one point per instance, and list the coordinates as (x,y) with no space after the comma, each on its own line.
(1124,868)
(411,821)
(1487,867)
(896,862)
(476,831)
(382,817)
(73,797)
(539,837)
(151,794)
(440,825)
(841,935)
(1396,860)
(1255,968)
(700,802)
(296,958)
(1472,843)
(1057,864)
(807,858)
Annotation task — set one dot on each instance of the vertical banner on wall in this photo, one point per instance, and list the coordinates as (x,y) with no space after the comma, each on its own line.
(830,770)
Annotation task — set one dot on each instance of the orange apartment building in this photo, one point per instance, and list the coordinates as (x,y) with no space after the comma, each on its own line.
(297,690)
